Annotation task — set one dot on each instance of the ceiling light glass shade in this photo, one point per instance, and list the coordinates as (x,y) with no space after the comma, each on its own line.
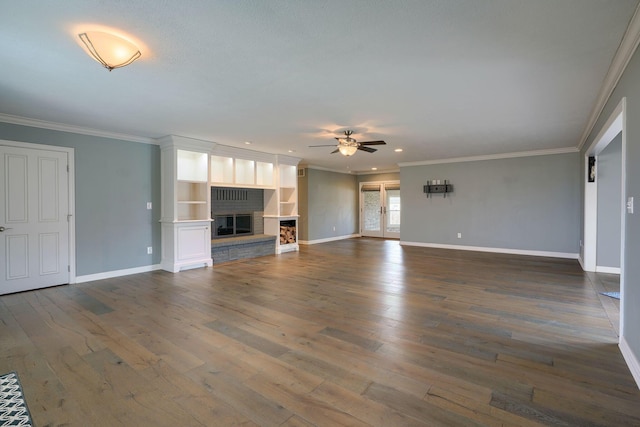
(347,150)
(110,50)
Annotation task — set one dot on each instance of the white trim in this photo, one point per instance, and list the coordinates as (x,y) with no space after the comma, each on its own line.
(320,168)
(182,142)
(614,125)
(357,173)
(621,59)
(288,160)
(378,172)
(493,156)
(610,270)
(581,261)
(567,255)
(42,124)
(328,239)
(71,187)
(243,153)
(72,212)
(117,273)
(631,359)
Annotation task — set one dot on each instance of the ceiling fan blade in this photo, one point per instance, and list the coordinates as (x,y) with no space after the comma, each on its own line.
(326,145)
(373,143)
(367,149)
(334,151)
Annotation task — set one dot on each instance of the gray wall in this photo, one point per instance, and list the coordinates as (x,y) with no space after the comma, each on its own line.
(385,176)
(113,182)
(331,201)
(609,204)
(629,87)
(527,203)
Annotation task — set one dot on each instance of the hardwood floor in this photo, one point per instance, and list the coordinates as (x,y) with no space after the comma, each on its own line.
(353,332)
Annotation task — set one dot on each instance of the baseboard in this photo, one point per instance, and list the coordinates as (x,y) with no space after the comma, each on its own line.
(116,273)
(631,359)
(328,239)
(581,261)
(612,270)
(494,250)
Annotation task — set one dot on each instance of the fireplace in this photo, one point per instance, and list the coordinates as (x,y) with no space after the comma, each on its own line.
(232,225)
(288,233)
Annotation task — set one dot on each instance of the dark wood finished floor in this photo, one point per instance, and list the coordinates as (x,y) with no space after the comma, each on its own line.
(355,332)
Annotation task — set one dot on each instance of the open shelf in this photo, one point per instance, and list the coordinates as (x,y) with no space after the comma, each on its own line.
(288,194)
(190,191)
(288,209)
(192,166)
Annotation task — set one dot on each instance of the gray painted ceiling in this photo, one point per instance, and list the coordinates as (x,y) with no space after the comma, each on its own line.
(437,78)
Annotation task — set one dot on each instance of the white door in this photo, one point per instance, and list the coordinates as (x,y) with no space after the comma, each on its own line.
(391,211)
(380,210)
(34,222)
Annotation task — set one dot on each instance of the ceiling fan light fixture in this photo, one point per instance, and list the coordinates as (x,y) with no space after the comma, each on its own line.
(110,50)
(347,150)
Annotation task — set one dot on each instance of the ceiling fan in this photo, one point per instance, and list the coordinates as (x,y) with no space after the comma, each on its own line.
(347,146)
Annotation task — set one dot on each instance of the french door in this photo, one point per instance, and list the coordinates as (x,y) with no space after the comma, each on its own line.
(380,210)
(34,219)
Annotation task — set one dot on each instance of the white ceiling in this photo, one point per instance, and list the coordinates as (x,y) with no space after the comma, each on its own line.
(438,78)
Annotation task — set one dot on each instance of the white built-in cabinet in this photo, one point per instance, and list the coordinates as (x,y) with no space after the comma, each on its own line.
(238,172)
(276,174)
(281,204)
(186,203)
(190,168)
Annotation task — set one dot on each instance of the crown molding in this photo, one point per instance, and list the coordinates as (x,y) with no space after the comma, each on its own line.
(42,124)
(283,159)
(494,156)
(321,168)
(619,63)
(355,173)
(378,172)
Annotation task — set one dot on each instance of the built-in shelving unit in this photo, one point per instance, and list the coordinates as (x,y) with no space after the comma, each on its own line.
(191,167)
(186,199)
(288,190)
(232,171)
(281,206)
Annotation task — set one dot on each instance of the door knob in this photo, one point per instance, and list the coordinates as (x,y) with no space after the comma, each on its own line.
(3,228)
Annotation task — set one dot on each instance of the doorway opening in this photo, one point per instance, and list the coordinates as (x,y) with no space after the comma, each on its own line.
(380,209)
(612,131)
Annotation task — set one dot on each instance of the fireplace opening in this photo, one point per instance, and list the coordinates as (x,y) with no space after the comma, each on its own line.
(230,225)
(287,231)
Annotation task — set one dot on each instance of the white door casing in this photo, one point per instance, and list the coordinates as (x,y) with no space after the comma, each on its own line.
(35,214)
(380,209)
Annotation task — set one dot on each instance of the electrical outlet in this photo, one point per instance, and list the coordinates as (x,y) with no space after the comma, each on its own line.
(149,205)
(149,250)
(459,235)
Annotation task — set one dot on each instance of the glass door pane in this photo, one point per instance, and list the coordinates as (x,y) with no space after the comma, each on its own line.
(371,213)
(392,220)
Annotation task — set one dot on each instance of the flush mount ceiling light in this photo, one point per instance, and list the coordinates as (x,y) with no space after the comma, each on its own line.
(110,50)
